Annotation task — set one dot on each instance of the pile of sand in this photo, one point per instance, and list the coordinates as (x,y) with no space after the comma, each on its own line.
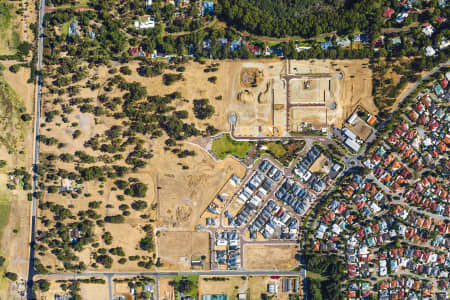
(246,97)
(251,77)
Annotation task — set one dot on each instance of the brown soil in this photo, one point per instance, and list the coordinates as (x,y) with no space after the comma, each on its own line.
(251,77)
(176,248)
(270,257)
(166,291)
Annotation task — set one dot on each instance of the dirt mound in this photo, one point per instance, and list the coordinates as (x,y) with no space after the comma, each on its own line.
(279,107)
(251,77)
(264,97)
(246,97)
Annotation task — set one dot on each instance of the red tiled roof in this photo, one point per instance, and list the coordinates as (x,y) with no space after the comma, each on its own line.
(388,12)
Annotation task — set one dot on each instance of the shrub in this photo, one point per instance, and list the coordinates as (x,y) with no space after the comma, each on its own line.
(146,244)
(202,109)
(139,205)
(76,133)
(14,68)
(43,285)
(137,190)
(26,117)
(117,219)
(11,276)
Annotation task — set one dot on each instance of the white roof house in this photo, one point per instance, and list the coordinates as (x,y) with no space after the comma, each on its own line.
(352,119)
(302,48)
(221,242)
(429,51)
(352,144)
(348,133)
(150,23)
(428,30)
(272,288)
(444,43)
(148,4)
(401,17)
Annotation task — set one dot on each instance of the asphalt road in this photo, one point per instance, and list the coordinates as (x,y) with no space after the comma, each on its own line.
(200,273)
(31,271)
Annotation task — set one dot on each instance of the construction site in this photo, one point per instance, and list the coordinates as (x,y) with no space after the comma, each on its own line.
(281,98)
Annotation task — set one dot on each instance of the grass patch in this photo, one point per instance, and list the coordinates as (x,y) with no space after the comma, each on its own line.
(275,149)
(5,15)
(192,278)
(4,217)
(9,39)
(316,276)
(65,28)
(284,152)
(13,128)
(225,146)
(78,4)
(4,211)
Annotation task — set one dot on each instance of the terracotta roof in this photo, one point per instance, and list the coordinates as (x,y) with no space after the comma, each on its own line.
(388,12)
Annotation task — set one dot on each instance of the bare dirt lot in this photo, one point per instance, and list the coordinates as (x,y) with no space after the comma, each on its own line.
(176,248)
(166,291)
(341,95)
(258,286)
(322,164)
(252,286)
(87,290)
(270,257)
(231,286)
(182,206)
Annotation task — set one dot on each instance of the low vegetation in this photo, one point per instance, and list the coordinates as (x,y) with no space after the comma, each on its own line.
(284,152)
(225,145)
(330,274)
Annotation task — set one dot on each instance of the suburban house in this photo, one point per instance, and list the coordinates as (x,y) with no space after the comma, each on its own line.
(73,28)
(150,23)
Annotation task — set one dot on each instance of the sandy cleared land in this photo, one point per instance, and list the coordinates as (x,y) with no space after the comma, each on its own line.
(314,115)
(261,107)
(122,289)
(228,286)
(94,291)
(226,192)
(253,286)
(176,248)
(317,92)
(258,285)
(87,290)
(341,95)
(166,291)
(182,206)
(270,257)
(322,164)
